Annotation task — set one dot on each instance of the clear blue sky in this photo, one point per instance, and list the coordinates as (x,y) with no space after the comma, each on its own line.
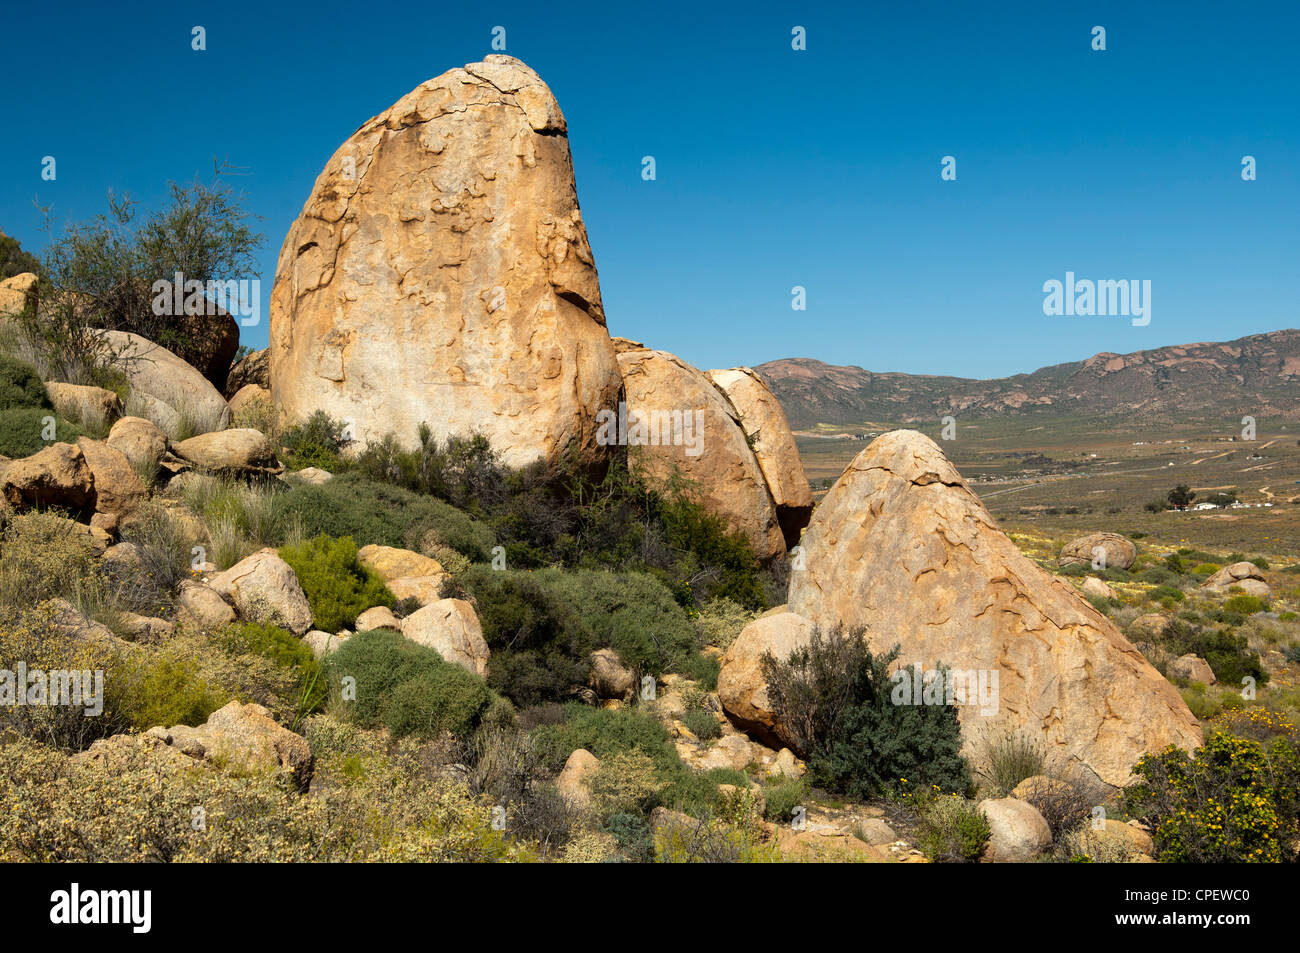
(776,168)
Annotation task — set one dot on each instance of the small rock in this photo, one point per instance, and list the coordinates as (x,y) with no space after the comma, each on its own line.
(1018,833)
(263,588)
(1193,668)
(380,617)
(572,782)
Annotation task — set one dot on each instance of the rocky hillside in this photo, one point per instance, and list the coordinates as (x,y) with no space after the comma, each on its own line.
(1259,374)
(449,574)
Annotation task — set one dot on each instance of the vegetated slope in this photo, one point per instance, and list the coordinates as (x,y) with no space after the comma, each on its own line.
(1257,375)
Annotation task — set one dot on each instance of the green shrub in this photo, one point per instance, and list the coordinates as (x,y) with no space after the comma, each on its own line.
(284,649)
(389,808)
(22,429)
(372,513)
(1245,605)
(604,733)
(21,385)
(405,687)
(1157,575)
(1233,801)
(625,783)
(337,586)
(1202,703)
(632,613)
(464,471)
(702,724)
(721,620)
(783,797)
(952,830)
(44,556)
(32,636)
(540,640)
(1229,656)
(167,690)
(1164,594)
(701,668)
(316,442)
(15,261)
(632,835)
(835,697)
(1010,758)
(543,625)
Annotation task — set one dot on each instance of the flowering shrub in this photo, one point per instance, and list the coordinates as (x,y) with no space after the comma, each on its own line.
(1235,800)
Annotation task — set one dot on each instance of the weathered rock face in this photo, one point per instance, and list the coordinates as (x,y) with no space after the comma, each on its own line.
(903,546)
(1116,551)
(572,781)
(1096,589)
(688,427)
(451,628)
(248,396)
(239,738)
(15,292)
(610,678)
(254,368)
(1148,627)
(378,617)
(169,390)
(761,417)
(440,272)
(1193,668)
(323,643)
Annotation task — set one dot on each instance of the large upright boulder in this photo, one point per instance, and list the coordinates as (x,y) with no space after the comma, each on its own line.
(759,414)
(440,273)
(904,547)
(677,423)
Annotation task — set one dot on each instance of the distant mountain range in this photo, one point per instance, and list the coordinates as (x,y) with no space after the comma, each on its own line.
(1257,375)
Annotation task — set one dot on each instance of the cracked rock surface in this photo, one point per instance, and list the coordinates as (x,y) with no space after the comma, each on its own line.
(902,545)
(440,272)
(724,473)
